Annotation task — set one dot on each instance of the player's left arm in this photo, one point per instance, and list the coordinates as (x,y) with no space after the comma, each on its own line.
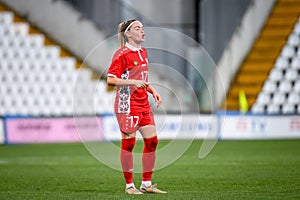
(155,95)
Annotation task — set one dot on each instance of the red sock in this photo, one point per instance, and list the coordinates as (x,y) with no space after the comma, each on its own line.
(127,159)
(149,156)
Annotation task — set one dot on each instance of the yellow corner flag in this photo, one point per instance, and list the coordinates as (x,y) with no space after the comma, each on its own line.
(243,102)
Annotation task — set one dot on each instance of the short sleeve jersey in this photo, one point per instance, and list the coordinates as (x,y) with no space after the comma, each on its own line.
(130,63)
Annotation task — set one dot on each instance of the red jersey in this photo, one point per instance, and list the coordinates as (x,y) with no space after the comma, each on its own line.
(130,63)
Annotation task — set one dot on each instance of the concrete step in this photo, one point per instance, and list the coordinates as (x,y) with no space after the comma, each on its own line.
(252,78)
(233,104)
(282,21)
(256,68)
(266,44)
(251,90)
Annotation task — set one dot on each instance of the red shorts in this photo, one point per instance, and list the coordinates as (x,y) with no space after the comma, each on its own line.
(130,123)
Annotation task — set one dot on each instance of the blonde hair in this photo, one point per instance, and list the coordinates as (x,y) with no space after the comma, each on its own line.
(121,32)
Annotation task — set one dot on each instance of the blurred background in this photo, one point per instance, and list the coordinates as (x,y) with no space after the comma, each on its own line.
(241,55)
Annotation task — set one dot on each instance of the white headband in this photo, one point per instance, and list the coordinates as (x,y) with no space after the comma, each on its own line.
(128,27)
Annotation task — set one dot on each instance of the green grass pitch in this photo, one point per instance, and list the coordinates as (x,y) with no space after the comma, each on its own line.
(233,170)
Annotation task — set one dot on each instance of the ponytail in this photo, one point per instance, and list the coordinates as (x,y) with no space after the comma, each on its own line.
(121,35)
(121,31)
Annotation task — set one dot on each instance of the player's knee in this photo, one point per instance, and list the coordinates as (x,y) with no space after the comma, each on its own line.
(154,142)
(128,144)
(151,143)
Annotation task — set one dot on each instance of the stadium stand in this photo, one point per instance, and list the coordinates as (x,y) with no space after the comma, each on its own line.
(281,89)
(36,80)
(269,75)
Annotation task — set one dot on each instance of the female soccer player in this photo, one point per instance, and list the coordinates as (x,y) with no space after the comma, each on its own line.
(129,72)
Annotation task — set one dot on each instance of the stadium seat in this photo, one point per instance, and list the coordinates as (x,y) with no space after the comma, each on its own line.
(55,65)
(6,17)
(2,90)
(71,78)
(258,109)
(43,53)
(7,30)
(81,105)
(40,66)
(83,75)
(18,42)
(27,77)
(279,98)
(19,54)
(3,65)
(16,29)
(3,42)
(291,74)
(2,110)
(34,89)
(297,86)
(276,74)
(13,66)
(296,62)
(2,54)
(100,87)
(19,105)
(32,53)
(298,53)
(45,111)
(269,87)
(294,40)
(288,109)
(285,86)
(98,103)
(20,29)
(22,41)
(55,108)
(293,98)
(282,63)
(51,52)
(288,51)
(10,41)
(40,53)
(61,78)
(109,103)
(68,64)
(22,89)
(23,65)
(273,109)
(12,90)
(8,79)
(68,110)
(2,28)
(7,54)
(34,40)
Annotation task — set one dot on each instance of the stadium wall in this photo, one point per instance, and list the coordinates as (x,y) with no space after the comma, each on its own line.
(52,130)
(240,127)
(228,126)
(241,43)
(2,137)
(168,127)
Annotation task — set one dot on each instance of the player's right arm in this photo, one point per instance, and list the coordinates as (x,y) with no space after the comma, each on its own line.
(114,81)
